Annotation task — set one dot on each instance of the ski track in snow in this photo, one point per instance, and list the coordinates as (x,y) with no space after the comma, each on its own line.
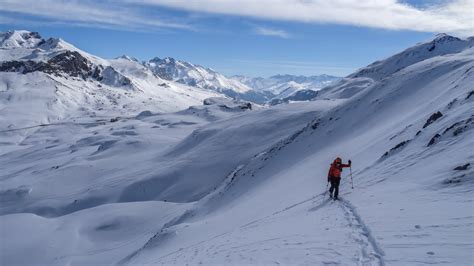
(370,249)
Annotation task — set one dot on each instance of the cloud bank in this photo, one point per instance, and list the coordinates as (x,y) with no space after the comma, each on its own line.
(450,16)
(88,13)
(454,16)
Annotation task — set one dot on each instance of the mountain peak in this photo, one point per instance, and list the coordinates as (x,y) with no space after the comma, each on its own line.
(443,37)
(441,44)
(165,60)
(20,38)
(126,57)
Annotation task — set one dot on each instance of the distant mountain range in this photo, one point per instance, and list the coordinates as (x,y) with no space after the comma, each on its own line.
(283,86)
(164,84)
(259,89)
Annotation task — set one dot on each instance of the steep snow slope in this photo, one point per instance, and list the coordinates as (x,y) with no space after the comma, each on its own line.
(225,185)
(377,72)
(409,206)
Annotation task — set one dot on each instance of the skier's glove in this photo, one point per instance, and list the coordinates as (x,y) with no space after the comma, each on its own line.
(350,162)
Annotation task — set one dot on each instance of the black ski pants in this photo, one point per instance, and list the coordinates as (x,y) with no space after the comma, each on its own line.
(335,186)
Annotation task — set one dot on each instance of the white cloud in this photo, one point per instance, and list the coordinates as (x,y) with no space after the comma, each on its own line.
(272,32)
(102,14)
(452,16)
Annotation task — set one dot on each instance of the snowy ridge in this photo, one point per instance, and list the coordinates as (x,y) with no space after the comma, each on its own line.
(441,45)
(218,184)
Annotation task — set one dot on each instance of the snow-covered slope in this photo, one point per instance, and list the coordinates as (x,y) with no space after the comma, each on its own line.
(220,184)
(202,77)
(413,178)
(283,86)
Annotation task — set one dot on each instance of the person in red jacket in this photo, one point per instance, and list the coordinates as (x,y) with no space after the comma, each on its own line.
(334,176)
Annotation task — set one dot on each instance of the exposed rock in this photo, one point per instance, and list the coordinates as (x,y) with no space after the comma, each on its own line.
(462,167)
(432,118)
(469,94)
(434,139)
(397,147)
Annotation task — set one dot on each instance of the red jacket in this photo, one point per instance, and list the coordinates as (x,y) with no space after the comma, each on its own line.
(335,170)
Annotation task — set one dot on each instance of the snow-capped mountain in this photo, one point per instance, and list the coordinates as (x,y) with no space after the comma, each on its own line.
(217,185)
(377,72)
(283,86)
(57,80)
(198,76)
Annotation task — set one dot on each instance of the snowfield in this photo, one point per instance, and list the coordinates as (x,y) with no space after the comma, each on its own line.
(226,183)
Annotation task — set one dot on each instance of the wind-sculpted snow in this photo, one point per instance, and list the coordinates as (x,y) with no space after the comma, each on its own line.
(220,184)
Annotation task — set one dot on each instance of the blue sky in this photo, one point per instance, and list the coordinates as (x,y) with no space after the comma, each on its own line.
(235,39)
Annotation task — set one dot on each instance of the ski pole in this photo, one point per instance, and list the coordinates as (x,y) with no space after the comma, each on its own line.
(324,197)
(352,181)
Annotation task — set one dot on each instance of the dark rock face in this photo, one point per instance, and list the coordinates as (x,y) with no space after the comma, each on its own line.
(469,94)
(434,139)
(397,147)
(69,62)
(19,66)
(432,118)
(462,167)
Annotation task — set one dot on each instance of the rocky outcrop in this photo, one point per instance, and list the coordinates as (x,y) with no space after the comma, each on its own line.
(68,63)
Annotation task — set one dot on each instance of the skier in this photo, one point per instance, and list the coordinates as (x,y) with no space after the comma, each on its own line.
(334,176)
